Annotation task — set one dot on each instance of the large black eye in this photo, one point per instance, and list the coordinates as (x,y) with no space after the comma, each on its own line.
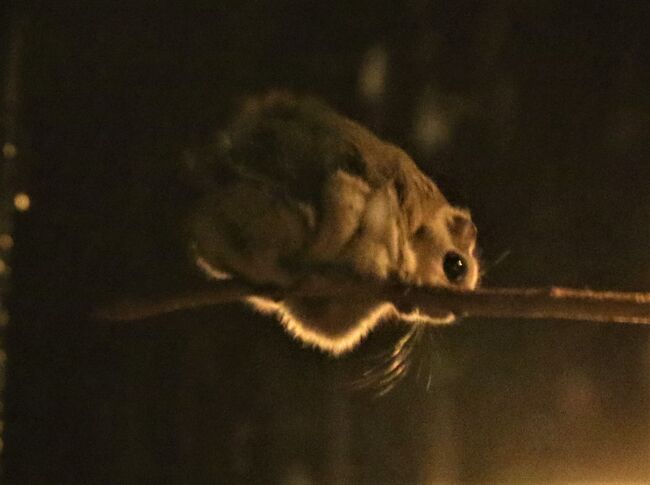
(455,267)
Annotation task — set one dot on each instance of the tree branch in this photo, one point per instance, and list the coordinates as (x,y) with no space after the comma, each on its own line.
(524,303)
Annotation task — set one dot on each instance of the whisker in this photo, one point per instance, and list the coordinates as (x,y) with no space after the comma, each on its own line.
(430,356)
(393,365)
(501,258)
(486,266)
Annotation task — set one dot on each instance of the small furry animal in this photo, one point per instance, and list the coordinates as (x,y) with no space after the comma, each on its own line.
(293,188)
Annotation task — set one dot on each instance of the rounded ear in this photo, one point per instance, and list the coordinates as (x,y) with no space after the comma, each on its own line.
(462,229)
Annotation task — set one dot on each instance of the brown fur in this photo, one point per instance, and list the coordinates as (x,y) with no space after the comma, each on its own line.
(307,189)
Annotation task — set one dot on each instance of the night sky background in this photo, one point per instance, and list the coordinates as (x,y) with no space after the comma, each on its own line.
(535,114)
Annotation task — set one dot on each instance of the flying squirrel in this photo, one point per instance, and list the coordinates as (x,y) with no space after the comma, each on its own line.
(293,187)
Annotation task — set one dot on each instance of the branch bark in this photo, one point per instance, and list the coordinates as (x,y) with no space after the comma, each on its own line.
(523,303)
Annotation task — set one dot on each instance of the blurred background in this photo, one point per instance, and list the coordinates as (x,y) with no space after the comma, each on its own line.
(535,114)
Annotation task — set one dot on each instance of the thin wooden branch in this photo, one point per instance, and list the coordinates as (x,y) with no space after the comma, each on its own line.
(524,303)
(538,303)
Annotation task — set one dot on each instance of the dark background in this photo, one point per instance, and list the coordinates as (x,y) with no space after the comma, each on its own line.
(535,114)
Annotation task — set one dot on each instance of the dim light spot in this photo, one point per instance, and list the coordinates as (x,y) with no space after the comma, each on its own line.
(4,318)
(22,201)
(3,267)
(9,151)
(372,74)
(431,128)
(6,242)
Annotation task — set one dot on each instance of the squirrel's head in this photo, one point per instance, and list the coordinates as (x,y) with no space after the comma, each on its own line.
(444,249)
